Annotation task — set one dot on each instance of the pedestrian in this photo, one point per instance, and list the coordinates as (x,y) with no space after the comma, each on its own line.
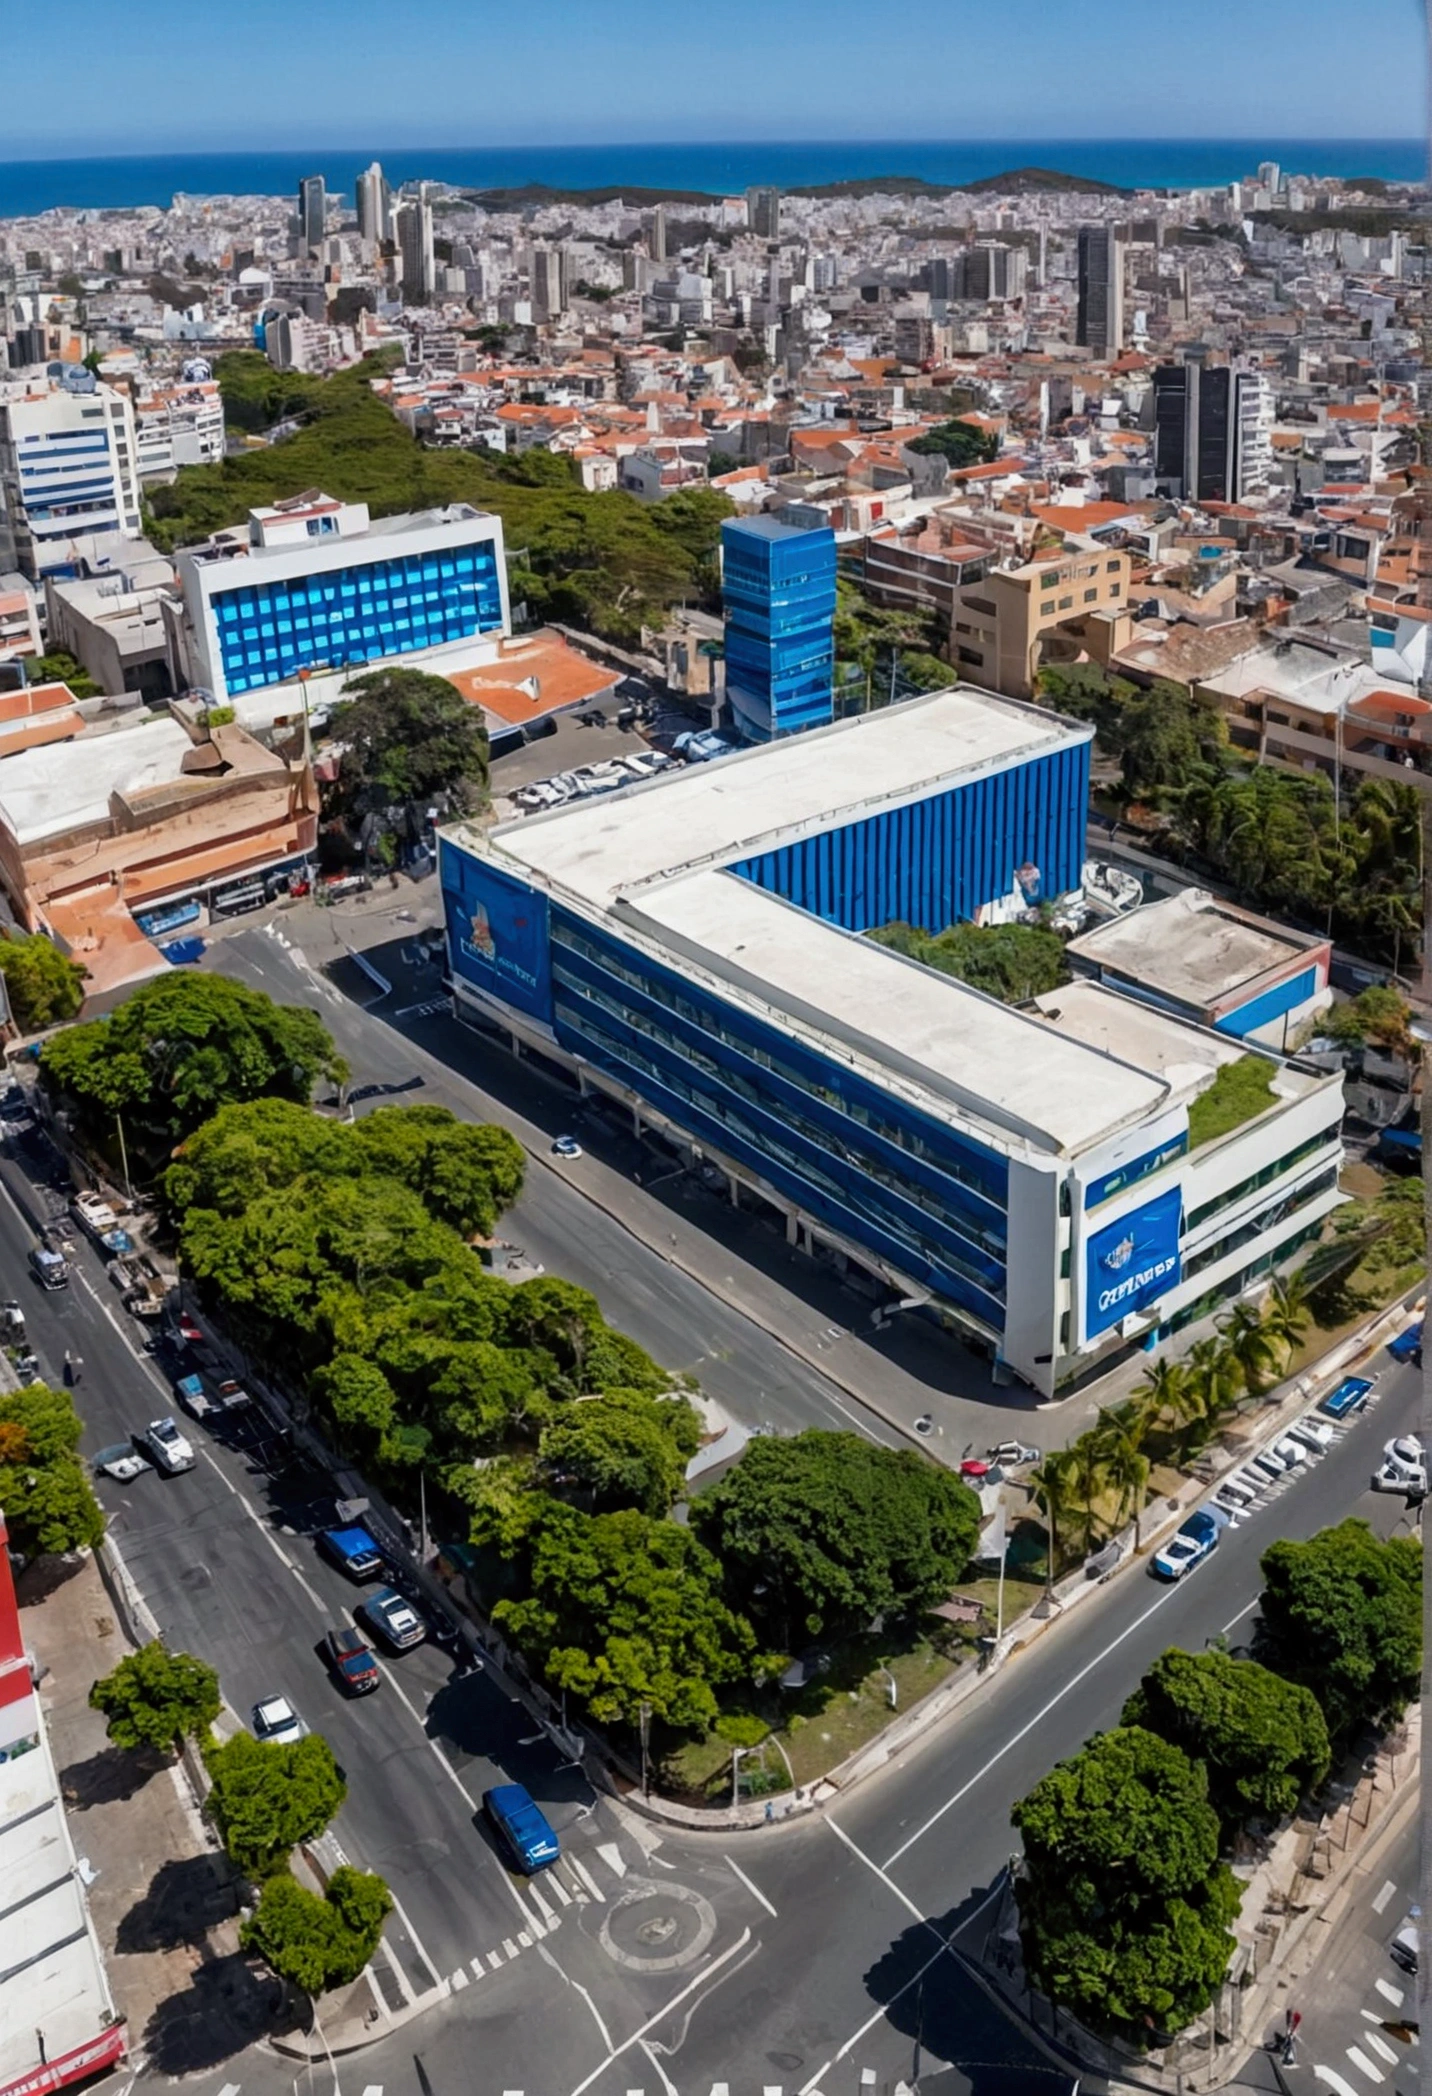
(770,1812)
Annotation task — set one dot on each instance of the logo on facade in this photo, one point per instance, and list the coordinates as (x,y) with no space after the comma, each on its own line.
(480,933)
(1030,882)
(1118,1256)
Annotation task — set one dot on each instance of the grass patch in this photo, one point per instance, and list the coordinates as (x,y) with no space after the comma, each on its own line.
(1240,1092)
(819,1725)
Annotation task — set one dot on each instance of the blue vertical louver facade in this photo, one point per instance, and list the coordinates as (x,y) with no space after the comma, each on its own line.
(778,586)
(935,862)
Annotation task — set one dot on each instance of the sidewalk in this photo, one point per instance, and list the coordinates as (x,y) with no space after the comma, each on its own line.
(162,1895)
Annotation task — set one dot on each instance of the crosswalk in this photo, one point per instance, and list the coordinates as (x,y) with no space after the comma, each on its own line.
(543,1902)
(1384,2043)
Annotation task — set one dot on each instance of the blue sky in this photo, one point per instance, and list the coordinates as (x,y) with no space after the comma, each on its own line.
(267,74)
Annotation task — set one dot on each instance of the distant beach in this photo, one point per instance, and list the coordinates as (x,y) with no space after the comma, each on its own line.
(28,187)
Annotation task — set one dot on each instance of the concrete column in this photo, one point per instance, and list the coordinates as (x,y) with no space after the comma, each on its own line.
(636,1122)
(517,1046)
(733,1185)
(793,1231)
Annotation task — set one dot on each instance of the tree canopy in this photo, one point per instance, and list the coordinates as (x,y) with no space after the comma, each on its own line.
(1261,1740)
(157,1698)
(45,1493)
(178,1049)
(1012,962)
(622,1449)
(1342,1614)
(267,1798)
(623,1611)
(1124,1906)
(407,737)
(44,986)
(961,443)
(821,1533)
(317,1941)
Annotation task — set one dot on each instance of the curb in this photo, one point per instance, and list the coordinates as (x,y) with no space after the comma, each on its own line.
(300,2046)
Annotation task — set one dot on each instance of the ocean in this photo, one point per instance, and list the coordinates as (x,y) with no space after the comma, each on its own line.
(31,186)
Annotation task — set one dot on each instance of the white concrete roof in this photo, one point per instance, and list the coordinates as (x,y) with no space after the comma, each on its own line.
(940,1042)
(1191,947)
(1185,1057)
(66,784)
(760,798)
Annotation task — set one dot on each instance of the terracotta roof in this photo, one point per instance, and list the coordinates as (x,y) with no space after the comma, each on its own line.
(563,676)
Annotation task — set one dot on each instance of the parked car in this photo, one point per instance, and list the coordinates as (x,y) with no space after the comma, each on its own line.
(699,746)
(352,1550)
(1406,1946)
(1290,1452)
(1316,1434)
(1350,1396)
(521,1827)
(566,1146)
(1407,1346)
(168,1447)
(231,1396)
(277,1723)
(190,1332)
(1196,1539)
(190,1391)
(123,1463)
(395,1620)
(48,1268)
(353,1665)
(1403,1467)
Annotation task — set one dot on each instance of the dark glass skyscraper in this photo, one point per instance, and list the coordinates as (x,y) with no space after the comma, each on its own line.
(778,584)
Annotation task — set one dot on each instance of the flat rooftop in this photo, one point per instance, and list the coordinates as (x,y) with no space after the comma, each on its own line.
(62,788)
(758,799)
(1192,947)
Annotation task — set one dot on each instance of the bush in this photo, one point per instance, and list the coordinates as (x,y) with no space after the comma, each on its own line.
(1261,1740)
(1342,1614)
(266,1798)
(157,1698)
(317,1942)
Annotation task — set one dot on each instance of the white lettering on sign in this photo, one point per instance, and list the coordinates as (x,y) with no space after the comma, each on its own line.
(1134,1284)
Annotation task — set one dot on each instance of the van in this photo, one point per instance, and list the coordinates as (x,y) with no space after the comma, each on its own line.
(49,1268)
(352,1550)
(521,1827)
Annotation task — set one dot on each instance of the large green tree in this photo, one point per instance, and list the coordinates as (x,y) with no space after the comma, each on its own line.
(157,1698)
(317,1941)
(624,1611)
(406,737)
(44,986)
(1261,1739)
(1012,962)
(45,1493)
(623,1449)
(176,1051)
(1124,1906)
(1342,1614)
(822,1532)
(266,1798)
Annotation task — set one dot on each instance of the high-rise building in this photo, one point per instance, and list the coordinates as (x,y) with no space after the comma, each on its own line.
(991,270)
(658,233)
(1270,176)
(1212,431)
(312,214)
(1099,324)
(414,230)
(778,588)
(547,275)
(375,208)
(763,212)
(69,470)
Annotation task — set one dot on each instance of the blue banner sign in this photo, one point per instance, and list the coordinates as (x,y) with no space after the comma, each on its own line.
(1130,1263)
(497,933)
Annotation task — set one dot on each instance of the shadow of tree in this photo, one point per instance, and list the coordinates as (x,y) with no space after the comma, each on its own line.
(44,1576)
(186,1898)
(108,1777)
(929,1997)
(227,2006)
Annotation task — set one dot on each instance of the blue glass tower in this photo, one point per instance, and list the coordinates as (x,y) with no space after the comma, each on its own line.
(778,584)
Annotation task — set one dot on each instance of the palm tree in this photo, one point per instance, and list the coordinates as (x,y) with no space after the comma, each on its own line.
(1164,1390)
(1247,1341)
(1124,1464)
(1286,1313)
(1214,1380)
(1053,1482)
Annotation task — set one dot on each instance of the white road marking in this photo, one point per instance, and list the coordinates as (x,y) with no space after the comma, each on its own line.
(231,2088)
(596,2012)
(524,1939)
(268,1535)
(668,2086)
(720,2088)
(1361,2060)
(494,1959)
(886,1880)
(810,2088)
(1380,2046)
(611,1855)
(1335,2082)
(587,1879)
(459,1980)
(374,2088)
(754,1890)
(479,1970)
(405,1985)
(1381,1901)
(1037,1720)
(414,1939)
(548,1914)
(559,1888)
(510,1947)
(636,2037)
(1239,1617)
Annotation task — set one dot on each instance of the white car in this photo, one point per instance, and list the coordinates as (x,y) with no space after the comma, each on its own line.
(1290,1452)
(167,1445)
(1269,1467)
(1403,1467)
(277,1723)
(1407,1450)
(645,764)
(1316,1434)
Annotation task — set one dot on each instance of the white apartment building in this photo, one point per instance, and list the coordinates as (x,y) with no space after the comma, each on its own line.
(179,426)
(1255,411)
(69,470)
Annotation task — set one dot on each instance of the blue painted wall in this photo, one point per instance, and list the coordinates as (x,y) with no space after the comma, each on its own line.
(1262,1011)
(935,863)
(498,937)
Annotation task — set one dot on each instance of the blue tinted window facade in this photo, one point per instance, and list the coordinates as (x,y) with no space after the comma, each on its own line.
(927,1199)
(270,630)
(778,590)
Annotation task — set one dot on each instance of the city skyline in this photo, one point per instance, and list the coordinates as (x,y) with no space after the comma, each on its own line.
(1029,70)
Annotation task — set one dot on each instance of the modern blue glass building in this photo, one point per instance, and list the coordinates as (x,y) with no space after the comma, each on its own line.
(694,949)
(778,587)
(320,586)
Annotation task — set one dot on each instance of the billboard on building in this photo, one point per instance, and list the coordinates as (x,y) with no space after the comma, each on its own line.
(497,933)
(1132,1262)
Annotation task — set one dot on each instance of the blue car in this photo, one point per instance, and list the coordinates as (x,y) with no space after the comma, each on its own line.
(352,1550)
(521,1827)
(1407,1345)
(1349,1397)
(1190,1544)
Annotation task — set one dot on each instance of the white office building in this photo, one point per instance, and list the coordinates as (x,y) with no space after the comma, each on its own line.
(68,471)
(179,426)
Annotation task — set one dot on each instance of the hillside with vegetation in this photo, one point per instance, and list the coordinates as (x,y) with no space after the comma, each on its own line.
(605,562)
